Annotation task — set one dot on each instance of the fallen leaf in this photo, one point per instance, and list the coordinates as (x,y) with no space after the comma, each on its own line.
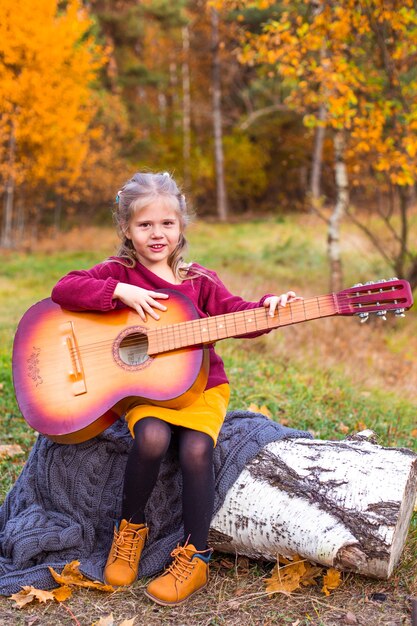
(9,451)
(243,564)
(127,622)
(312,572)
(234,605)
(296,572)
(256,409)
(343,428)
(350,618)
(331,580)
(105,621)
(287,578)
(29,594)
(70,575)
(62,593)
(360,426)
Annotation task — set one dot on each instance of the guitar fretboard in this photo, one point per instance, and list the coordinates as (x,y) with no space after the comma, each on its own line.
(210,329)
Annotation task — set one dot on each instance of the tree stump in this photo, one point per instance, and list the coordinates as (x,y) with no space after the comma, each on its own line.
(345,504)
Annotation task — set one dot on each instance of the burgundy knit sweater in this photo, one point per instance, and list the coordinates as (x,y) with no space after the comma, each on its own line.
(92,290)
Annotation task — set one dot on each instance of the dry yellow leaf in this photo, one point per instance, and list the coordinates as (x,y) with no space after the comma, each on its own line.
(62,593)
(10,451)
(343,428)
(312,572)
(105,621)
(29,594)
(331,581)
(287,578)
(70,575)
(127,622)
(359,425)
(256,409)
(296,572)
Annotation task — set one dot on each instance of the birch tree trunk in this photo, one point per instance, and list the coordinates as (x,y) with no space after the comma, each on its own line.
(186,107)
(217,118)
(316,166)
(345,504)
(342,199)
(6,239)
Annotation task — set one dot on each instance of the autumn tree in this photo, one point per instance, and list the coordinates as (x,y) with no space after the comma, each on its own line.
(349,67)
(48,60)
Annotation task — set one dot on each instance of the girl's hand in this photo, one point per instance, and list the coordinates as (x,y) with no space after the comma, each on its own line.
(273,302)
(140,300)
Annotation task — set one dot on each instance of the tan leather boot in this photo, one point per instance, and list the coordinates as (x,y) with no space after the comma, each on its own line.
(123,560)
(186,575)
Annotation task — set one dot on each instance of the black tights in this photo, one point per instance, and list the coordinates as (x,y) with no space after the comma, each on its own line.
(152,440)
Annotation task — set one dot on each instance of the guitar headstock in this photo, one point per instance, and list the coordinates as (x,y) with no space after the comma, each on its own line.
(379,298)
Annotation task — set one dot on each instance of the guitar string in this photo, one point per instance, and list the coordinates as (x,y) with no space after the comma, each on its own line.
(181,330)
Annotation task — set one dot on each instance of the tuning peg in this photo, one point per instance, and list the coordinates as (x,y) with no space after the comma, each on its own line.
(399,312)
(382,315)
(363,317)
(358,285)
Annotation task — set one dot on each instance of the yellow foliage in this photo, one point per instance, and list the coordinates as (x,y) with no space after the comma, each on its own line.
(334,58)
(30,594)
(10,450)
(71,576)
(47,64)
(291,574)
(108,620)
(260,409)
(331,581)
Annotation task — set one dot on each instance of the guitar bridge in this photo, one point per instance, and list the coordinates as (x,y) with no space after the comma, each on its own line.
(76,373)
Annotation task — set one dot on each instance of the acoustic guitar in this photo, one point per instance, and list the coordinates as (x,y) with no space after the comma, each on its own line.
(75,373)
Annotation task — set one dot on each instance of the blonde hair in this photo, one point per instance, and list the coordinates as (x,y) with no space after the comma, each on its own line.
(137,193)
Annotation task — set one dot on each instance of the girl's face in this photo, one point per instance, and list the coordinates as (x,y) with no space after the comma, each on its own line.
(154,231)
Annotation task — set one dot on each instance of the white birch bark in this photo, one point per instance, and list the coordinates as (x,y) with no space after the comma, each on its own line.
(217,118)
(317,160)
(333,232)
(6,239)
(345,504)
(186,107)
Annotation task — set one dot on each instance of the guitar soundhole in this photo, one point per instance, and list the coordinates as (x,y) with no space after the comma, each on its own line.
(131,350)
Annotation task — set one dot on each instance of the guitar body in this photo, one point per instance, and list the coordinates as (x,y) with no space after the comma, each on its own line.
(75,373)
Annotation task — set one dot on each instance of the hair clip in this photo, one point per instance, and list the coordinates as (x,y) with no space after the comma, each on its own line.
(166,174)
(117,198)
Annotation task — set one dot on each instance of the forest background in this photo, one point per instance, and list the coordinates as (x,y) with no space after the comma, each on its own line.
(257,107)
(292,128)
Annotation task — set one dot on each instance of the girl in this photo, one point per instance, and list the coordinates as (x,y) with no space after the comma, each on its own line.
(151,216)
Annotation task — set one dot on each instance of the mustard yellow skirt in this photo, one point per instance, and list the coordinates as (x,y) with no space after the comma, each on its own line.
(206,414)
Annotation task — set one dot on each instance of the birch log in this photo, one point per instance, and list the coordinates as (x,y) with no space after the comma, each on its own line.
(345,504)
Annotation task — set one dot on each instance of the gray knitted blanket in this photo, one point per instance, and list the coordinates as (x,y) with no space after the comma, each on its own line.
(64,504)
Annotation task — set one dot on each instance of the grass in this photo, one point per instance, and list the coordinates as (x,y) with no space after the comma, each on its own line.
(330,376)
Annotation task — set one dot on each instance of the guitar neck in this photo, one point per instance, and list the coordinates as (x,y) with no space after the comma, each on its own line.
(210,329)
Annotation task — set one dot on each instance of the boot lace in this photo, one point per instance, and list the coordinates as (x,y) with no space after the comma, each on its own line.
(183,563)
(126,544)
